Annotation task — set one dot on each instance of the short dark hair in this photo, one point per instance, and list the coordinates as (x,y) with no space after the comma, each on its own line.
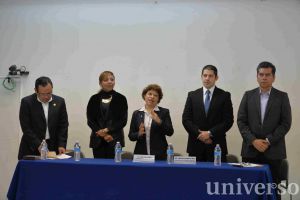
(210,67)
(266,64)
(154,87)
(42,81)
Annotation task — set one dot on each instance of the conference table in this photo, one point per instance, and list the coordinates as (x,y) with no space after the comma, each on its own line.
(99,179)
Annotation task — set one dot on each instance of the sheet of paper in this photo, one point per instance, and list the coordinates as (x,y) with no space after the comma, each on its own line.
(245,164)
(63,156)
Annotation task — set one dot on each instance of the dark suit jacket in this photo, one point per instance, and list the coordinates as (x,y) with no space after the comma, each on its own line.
(158,142)
(276,124)
(33,124)
(115,120)
(218,120)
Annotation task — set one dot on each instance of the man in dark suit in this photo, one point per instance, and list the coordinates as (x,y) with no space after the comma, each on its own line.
(43,116)
(264,118)
(207,116)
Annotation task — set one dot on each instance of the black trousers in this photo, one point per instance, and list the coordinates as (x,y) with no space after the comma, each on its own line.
(161,157)
(207,155)
(105,150)
(275,166)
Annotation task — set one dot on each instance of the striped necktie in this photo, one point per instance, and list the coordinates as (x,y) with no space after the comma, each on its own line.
(207,101)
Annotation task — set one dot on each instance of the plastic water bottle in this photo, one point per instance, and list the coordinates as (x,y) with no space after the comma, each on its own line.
(217,155)
(76,151)
(170,154)
(44,150)
(118,152)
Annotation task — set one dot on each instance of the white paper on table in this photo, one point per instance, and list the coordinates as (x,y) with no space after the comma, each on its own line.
(245,164)
(63,156)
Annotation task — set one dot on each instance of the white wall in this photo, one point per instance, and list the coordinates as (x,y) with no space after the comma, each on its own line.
(142,42)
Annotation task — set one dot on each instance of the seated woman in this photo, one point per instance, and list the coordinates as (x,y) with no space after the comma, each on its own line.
(150,125)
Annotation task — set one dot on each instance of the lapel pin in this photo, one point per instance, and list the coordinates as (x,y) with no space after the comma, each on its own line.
(54,104)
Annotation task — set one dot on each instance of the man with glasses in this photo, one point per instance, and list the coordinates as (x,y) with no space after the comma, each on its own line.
(43,116)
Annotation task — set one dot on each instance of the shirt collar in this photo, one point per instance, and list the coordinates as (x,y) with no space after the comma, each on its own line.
(267,92)
(211,89)
(143,109)
(43,102)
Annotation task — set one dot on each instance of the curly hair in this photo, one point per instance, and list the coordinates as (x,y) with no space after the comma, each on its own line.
(154,87)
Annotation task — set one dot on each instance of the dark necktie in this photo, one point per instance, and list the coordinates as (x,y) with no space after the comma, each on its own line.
(207,101)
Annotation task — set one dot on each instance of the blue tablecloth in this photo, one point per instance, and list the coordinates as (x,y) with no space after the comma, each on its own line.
(103,179)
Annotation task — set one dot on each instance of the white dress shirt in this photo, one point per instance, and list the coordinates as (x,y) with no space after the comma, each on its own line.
(147,124)
(46,109)
(264,98)
(211,93)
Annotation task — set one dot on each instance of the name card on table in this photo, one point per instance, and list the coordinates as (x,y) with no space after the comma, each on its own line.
(185,160)
(144,158)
